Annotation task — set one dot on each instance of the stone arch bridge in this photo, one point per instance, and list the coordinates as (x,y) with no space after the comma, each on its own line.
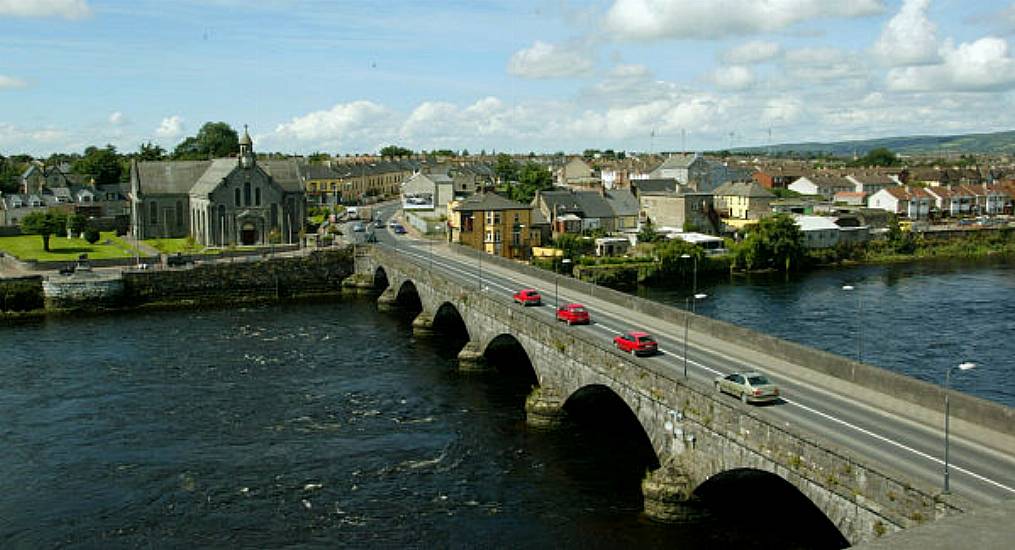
(695,434)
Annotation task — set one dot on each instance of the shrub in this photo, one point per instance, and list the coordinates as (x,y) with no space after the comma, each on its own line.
(92,235)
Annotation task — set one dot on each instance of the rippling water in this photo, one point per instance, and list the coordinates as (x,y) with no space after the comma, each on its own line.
(314,425)
(916,319)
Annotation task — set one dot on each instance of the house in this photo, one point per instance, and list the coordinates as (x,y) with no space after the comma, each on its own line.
(219,202)
(951,201)
(612,246)
(822,185)
(15,206)
(720,173)
(690,170)
(427,193)
(684,209)
(711,244)
(872,182)
(851,198)
(775,177)
(746,200)
(495,225)
(819,231)
(472,178)
(577,173)
(909,202)
(611,211)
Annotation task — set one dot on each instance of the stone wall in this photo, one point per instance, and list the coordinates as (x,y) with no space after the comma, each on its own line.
(319,272)
(965,407)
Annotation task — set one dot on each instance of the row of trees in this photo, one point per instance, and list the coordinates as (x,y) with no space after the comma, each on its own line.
(50,223)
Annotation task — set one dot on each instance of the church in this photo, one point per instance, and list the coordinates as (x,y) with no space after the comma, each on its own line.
(220,202)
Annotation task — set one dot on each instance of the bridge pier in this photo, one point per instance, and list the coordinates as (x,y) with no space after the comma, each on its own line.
(544,408)
(358,283)
(388,299)
(668,494)
(471,359)
(422,325)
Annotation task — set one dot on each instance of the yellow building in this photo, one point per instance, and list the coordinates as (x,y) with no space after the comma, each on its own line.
(496,225)
(744,200)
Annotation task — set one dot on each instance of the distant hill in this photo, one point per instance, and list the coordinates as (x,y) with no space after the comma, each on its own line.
(997,143)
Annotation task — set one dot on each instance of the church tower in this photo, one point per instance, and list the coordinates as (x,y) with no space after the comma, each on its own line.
(246,149)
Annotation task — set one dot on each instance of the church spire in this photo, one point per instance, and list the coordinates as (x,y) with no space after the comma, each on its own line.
(246,149)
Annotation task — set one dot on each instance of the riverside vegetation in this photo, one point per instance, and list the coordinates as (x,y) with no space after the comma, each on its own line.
(775,244)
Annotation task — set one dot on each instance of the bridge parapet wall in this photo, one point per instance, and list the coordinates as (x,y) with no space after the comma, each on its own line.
(964,407)
(863,500)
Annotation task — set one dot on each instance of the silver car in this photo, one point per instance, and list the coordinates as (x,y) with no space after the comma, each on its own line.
(750,387)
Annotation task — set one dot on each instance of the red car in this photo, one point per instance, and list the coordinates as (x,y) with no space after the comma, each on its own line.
(528,297)
(573,314)
(638,343)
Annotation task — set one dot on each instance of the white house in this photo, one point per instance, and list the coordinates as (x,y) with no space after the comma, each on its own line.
(824,185)
(427,193)
(909,202)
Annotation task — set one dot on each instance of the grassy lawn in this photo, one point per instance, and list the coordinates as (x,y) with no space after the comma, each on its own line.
(172,246)
(29,247)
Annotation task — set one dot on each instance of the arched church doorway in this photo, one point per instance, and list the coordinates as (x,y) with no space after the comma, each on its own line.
(248,234)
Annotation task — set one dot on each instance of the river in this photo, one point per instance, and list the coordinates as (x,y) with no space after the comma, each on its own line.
(917,319)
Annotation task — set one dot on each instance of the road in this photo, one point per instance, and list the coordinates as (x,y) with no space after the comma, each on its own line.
(822,408)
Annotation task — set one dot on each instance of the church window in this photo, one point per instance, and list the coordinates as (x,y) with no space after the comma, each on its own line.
(237,196)
(246,193)
(257,196)
(179,213)
(155,214)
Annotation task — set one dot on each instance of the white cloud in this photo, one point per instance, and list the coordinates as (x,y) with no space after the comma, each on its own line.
(983,65)
(344,123)
(545,60)
(170,128)
(652,19)
(68,9)
(117,118)
(751,52)
(9,82)
(782,111)
(630,71)
(31,141)
(737,77)
(909,38)
(825,66)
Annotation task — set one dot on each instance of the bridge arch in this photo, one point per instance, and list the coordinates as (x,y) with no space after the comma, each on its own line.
(733,496)
(407,296)
(597,405)
(381,281)
(449,321)
(507,354)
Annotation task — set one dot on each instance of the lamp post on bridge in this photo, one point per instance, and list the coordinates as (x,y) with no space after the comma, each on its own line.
(859,321)
(556,276)
(694,287)
(948,379)
(687,321)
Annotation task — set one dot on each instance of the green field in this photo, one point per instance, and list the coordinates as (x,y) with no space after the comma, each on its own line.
(29,247)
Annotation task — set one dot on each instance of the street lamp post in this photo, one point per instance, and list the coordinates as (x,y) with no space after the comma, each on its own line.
(859,321)
(948,375)
(556,276)
(694,287)
(687,321)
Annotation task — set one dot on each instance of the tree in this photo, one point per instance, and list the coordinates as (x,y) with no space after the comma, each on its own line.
(102,164)
(76,223)
(573,246)
(775,242)
(10,173)
(43,224)
(532,177)
(505,168)
(648,233)
(150,151)
(670,254)
(877,157)
(393,151)
(214,139)
(318,157)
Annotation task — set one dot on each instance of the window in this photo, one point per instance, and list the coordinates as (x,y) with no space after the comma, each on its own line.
(237,196)
(154,218)
(257,196)
(492,218)
(179,213)
(246,193)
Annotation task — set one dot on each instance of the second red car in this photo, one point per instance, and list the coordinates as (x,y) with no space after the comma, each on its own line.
(638,343)
(573,314)
(528,297)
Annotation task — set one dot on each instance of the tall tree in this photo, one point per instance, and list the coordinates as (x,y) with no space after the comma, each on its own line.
(151,151)
(102,164)
(392,151)
(43,224)
(878,157)
(532,177)
(775,242)
(213,140)
(506,168)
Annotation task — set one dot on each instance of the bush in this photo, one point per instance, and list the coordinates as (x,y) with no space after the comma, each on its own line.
(92,235)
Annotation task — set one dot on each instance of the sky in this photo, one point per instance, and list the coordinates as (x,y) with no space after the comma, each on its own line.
(351,76)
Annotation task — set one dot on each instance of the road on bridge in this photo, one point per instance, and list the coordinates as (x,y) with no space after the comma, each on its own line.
(844,414)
